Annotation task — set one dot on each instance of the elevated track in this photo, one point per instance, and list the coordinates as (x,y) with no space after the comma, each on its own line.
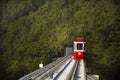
(65,68)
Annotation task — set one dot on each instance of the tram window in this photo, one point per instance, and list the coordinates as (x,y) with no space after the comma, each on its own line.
(79,46)
(84,47)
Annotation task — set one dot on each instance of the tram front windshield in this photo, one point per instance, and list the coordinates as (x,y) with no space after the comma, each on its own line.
(79,46)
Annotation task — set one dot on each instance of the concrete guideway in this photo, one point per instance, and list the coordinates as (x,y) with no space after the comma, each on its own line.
(46,74)
(75,70)
(40,71)
(81,73)
(66,72)
(65,68)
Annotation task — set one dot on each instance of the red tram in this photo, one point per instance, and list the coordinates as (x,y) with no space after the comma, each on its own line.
(79,49)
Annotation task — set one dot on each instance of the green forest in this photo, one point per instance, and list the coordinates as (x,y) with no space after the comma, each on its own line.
(32,31)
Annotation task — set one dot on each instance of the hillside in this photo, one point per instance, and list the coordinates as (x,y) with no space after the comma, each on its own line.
(32,31)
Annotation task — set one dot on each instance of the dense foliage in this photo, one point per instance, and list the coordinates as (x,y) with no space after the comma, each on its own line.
(32,31)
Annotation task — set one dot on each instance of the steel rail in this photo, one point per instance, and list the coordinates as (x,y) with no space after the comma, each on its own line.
(62,69)
(75,71)
(66,72)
